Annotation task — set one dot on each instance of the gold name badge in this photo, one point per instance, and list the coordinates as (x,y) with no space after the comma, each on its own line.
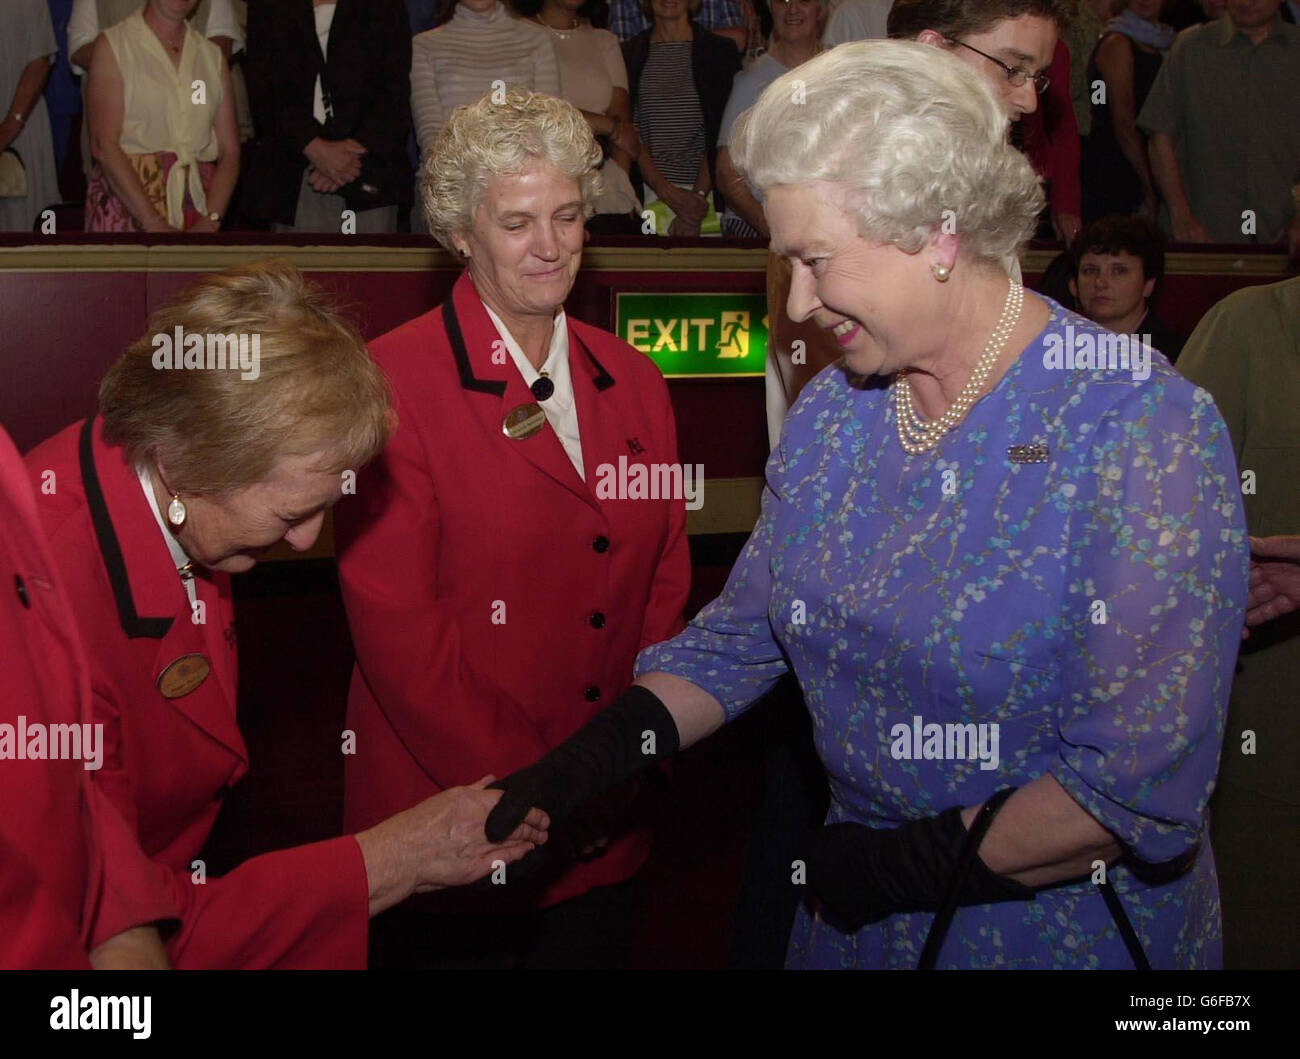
(524,421)
(183,676)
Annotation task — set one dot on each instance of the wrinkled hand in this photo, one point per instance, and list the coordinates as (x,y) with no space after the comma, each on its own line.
(1274,578)
(445,841)
(338,160)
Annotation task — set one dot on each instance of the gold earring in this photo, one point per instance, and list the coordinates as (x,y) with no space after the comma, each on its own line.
(941,272)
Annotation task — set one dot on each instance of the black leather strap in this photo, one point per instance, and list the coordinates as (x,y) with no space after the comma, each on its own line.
(1122,924)
(969,851)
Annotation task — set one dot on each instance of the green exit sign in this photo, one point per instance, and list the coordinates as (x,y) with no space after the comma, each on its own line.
(696,336)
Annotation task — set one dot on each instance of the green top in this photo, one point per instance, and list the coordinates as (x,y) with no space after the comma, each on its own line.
(1246,353)
(1233,109)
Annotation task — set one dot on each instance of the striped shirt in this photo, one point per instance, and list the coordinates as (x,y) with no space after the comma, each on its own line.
(457,63)
(626,18)
(668,115)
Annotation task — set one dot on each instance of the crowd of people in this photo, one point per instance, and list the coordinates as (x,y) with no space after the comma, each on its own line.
(1049,566)
(283,114)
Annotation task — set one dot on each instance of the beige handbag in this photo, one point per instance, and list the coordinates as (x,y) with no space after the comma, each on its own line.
(13,176)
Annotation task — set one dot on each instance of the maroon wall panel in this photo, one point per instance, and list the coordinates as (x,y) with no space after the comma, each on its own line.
(59,332)
(376,301)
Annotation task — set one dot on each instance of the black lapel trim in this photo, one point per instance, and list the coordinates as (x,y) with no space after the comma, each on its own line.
(467,380)
(132,624)
(603,380)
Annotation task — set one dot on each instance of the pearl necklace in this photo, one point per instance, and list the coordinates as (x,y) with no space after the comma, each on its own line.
(917,435)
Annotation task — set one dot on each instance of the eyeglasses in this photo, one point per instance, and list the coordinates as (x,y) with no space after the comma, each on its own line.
(1015,74)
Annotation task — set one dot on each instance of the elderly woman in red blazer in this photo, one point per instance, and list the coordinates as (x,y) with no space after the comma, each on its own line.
(74,890)
(498,583)
(204,454)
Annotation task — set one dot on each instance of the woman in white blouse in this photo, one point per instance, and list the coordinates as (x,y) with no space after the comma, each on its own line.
(162,125)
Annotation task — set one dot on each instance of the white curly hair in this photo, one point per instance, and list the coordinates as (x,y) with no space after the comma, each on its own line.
(486,139)
(910,133)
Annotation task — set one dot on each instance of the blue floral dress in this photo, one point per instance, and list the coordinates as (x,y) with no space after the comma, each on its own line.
(1089,605)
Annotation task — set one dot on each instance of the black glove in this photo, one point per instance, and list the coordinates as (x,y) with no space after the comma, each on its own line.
(860,874)
(612,747)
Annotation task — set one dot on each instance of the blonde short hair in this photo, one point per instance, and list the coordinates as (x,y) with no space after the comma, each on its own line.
(916,137)
(486,139)
(217,429)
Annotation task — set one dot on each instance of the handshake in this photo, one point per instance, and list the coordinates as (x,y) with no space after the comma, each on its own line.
(464,833)
(441,843)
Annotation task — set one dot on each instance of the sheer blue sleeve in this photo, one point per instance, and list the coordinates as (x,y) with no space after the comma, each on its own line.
(729,648)
(1158,584)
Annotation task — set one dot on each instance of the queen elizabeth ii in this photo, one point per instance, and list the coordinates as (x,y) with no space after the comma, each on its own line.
(958,537)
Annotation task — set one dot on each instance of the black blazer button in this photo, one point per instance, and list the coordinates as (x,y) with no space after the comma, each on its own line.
(597,620)
(593,693)
(600,545)
(21,589)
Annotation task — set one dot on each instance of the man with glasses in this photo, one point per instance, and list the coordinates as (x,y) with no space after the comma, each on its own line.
(1017,76)
(1008,52)
(1010,41)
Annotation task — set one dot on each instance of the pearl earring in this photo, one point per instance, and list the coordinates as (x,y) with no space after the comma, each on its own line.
(176,511)
(941,272)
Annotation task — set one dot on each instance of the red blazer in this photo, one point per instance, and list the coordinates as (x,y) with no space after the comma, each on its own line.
(70,872)
(169,762)
(456,524)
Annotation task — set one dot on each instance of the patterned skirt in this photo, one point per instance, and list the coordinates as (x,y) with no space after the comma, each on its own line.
(105,212)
